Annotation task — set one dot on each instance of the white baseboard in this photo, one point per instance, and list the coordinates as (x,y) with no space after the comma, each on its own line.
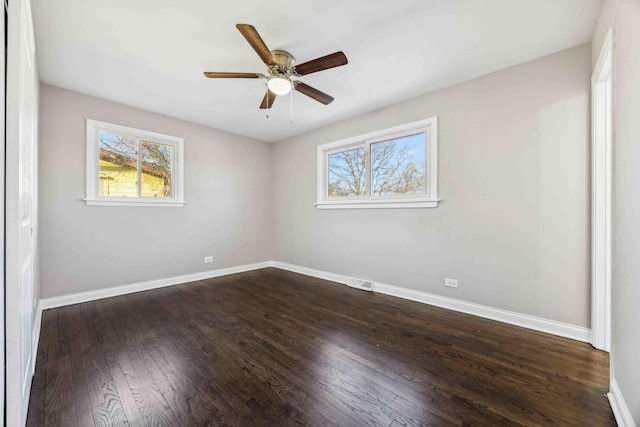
(36,335)
(338,278)
(531,322)
(553,327)
(566,330)
(619,406)
(80,297)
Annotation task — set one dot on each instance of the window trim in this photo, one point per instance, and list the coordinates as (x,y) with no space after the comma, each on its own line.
(93,197)
(430,200)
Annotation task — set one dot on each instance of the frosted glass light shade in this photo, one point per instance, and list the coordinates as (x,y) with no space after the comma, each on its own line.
(279,85)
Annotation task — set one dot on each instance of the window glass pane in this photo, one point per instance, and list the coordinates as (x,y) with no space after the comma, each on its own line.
(118,165)
(398,166)
(347,173)
(155,160)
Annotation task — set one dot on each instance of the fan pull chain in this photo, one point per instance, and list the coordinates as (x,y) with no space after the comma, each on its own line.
(291,109)
(267,112)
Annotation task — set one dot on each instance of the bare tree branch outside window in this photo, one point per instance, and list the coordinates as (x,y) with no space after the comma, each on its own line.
(397,167)
(119,167)
(347,173)
(156,161)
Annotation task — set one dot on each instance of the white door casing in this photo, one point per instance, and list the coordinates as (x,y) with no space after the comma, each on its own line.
(2,233)
(601,188)
(20,201)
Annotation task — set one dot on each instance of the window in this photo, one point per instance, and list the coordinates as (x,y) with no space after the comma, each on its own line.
(392,168)
(132,167)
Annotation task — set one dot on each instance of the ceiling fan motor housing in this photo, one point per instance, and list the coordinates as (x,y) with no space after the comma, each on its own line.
(284,61)
(283,58)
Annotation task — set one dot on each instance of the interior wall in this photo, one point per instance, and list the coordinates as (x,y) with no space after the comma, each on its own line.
(84,248)
(513,226)
(624,17)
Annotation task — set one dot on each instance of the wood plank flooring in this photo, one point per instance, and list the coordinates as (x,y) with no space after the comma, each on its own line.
(274,348)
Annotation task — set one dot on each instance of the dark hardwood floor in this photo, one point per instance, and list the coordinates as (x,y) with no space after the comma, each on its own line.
(274,348)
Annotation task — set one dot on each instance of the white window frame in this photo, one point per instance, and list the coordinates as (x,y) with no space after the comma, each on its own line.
(93,196)
(429,200)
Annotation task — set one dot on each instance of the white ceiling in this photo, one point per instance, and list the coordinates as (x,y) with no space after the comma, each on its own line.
(151,53)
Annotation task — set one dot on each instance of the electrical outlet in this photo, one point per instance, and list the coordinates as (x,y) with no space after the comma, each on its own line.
(208,259)
(451,283)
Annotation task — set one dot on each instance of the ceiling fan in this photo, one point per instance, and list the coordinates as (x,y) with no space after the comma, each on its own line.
(282,68)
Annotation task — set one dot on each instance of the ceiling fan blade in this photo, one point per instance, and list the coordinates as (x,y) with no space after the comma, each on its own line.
(224,75)
(268,99)
(251,34)
(314,93)
(330,61)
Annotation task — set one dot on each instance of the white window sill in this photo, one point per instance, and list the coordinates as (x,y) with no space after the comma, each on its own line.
(140,203)
(378,204)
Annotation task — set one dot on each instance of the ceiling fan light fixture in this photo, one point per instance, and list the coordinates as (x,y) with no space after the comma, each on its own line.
(279,85)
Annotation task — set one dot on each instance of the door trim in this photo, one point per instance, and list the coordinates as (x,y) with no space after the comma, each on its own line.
(601,193)
(2,209)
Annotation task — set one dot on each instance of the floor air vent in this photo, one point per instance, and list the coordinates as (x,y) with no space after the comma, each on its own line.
(365,285)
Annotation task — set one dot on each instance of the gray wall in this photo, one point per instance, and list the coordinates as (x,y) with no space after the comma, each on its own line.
(624,17)
(513,226)
(84,248)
